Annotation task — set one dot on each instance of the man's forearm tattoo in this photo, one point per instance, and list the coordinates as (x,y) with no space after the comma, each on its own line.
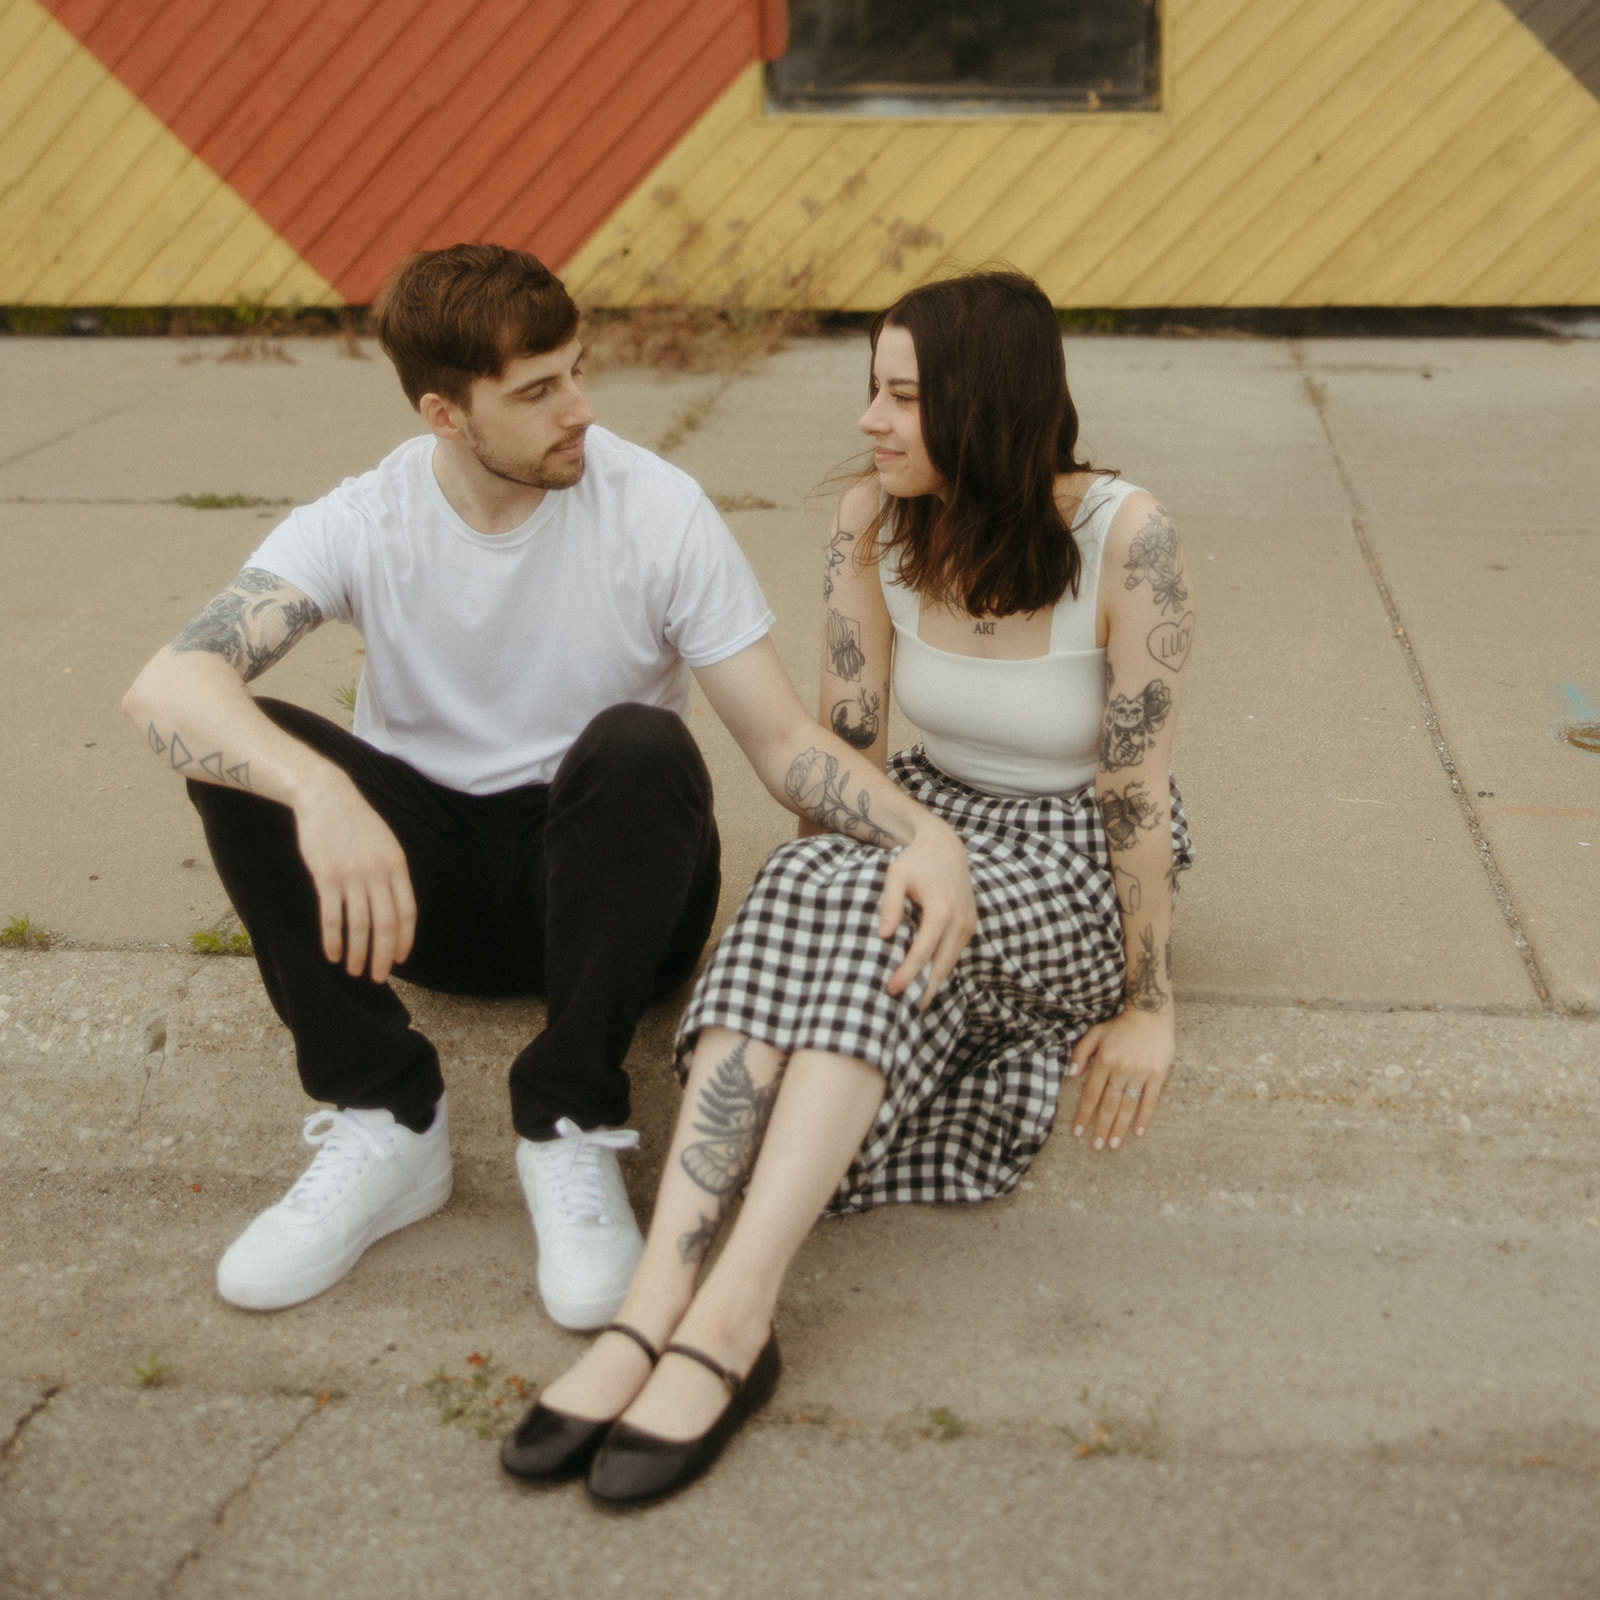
(1142,989)
(1125,814)
(845,655)
(818,788)
(732,1114)
(251,623)
(1153,558)
(180,756)
(1131,724)
(861,733)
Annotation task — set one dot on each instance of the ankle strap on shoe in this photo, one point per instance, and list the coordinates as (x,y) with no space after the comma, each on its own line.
(733,1382)
(637,1337)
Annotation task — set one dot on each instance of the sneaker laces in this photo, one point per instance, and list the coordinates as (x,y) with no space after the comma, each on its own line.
(572,1160)
(344,1144)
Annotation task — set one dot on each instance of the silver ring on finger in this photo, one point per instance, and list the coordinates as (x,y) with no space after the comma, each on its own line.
(1132,1091)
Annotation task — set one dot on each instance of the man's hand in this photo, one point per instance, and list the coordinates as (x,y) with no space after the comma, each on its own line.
(932,872)
(363,886)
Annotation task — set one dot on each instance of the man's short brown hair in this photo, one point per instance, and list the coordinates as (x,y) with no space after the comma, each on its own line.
(446,317)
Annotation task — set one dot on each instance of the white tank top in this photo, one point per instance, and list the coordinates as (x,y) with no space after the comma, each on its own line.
(1015,728)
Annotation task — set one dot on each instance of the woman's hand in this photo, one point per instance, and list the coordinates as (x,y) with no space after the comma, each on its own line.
(1127,1060)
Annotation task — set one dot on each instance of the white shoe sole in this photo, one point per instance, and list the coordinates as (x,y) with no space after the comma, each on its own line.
(581,1316)
(276,1294)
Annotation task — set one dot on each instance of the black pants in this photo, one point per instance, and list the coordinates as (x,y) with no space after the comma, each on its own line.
(596,890)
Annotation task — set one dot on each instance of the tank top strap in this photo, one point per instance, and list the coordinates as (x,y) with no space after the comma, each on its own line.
(1073,626)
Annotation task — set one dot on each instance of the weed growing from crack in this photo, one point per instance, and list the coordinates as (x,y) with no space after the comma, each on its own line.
(23,933)
(345,697)
(690,418)
(1114,1437)
(479,1401)
(151,1373)
(221,940)
(944,1425)
(226,502)
(743,502)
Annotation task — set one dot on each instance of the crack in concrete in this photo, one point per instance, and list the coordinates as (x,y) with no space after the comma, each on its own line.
(72,432)
(220,1515)
(1358,526)
(9,1451)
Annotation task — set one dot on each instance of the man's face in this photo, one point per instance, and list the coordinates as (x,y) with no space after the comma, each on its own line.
(527,425)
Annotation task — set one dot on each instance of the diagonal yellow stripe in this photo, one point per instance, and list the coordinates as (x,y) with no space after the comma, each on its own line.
(101,204)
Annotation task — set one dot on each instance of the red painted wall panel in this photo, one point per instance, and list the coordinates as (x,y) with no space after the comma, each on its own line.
(361,129)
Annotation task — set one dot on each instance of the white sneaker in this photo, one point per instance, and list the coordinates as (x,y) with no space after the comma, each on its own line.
(370,1176)
(589,1243)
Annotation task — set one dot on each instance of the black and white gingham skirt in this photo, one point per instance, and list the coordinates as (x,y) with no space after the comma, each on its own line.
(973,1081)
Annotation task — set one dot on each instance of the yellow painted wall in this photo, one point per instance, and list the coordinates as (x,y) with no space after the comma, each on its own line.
(1308,152)
(100,204)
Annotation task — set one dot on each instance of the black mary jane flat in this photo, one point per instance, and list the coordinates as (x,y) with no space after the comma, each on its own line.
(553,1446)
(635,1468)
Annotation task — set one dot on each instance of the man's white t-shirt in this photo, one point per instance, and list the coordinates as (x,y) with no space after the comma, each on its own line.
(488,654)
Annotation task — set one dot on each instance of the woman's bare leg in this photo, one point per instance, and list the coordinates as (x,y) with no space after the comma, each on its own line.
(825,1107)
(733,1082)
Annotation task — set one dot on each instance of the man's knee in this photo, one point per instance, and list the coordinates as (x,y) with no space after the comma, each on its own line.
(635,743)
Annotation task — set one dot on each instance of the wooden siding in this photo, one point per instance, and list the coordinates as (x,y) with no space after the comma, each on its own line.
(148,147)
(1350,152)
(1343,152)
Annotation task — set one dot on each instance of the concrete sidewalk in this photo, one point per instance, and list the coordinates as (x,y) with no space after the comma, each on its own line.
(1327,1331)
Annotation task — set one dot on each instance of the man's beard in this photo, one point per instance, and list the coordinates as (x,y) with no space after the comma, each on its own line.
(549,471)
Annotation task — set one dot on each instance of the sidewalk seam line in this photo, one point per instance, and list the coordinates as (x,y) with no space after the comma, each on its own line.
(220,1515)
(51,1390)
(1316,394)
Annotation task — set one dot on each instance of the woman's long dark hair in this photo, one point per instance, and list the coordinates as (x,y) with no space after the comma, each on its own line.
(999,425)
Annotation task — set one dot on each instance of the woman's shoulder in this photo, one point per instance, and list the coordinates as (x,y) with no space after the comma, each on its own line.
(859,503)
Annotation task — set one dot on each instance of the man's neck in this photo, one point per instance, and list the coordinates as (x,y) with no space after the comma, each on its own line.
(485,502)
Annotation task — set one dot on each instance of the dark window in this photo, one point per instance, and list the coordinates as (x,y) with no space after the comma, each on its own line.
(915,56)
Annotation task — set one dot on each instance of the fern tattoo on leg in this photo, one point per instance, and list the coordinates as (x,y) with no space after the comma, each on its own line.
(732,1115)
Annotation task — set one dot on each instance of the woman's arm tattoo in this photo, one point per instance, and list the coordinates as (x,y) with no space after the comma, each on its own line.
(818,788)
(1131,724)
(860,734)
(1153,558)
(1142,987)
(251,624)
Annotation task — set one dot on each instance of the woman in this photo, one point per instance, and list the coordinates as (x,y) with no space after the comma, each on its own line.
(1034,616)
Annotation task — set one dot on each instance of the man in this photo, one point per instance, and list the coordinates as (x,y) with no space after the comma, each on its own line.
(520,808)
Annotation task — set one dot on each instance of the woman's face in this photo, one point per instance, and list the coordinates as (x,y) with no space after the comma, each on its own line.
(893,421)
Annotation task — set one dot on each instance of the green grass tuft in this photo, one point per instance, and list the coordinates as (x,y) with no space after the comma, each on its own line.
(221,940)
(225,502)
(152,1372)
(489,1407)
(23,933)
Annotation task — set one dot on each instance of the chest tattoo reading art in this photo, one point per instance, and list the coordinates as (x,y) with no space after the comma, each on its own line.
(1153,558)
(1131,724)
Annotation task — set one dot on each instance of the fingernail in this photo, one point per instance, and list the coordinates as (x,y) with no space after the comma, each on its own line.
(1138,1133)
(1099,1143)
(1077,1133)
(1116,1141)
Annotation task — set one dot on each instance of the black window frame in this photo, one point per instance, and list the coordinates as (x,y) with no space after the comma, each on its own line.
(930,100)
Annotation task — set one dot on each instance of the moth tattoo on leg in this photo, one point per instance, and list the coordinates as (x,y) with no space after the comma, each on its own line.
(1131,724)
(1153,558)
(732,1115)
